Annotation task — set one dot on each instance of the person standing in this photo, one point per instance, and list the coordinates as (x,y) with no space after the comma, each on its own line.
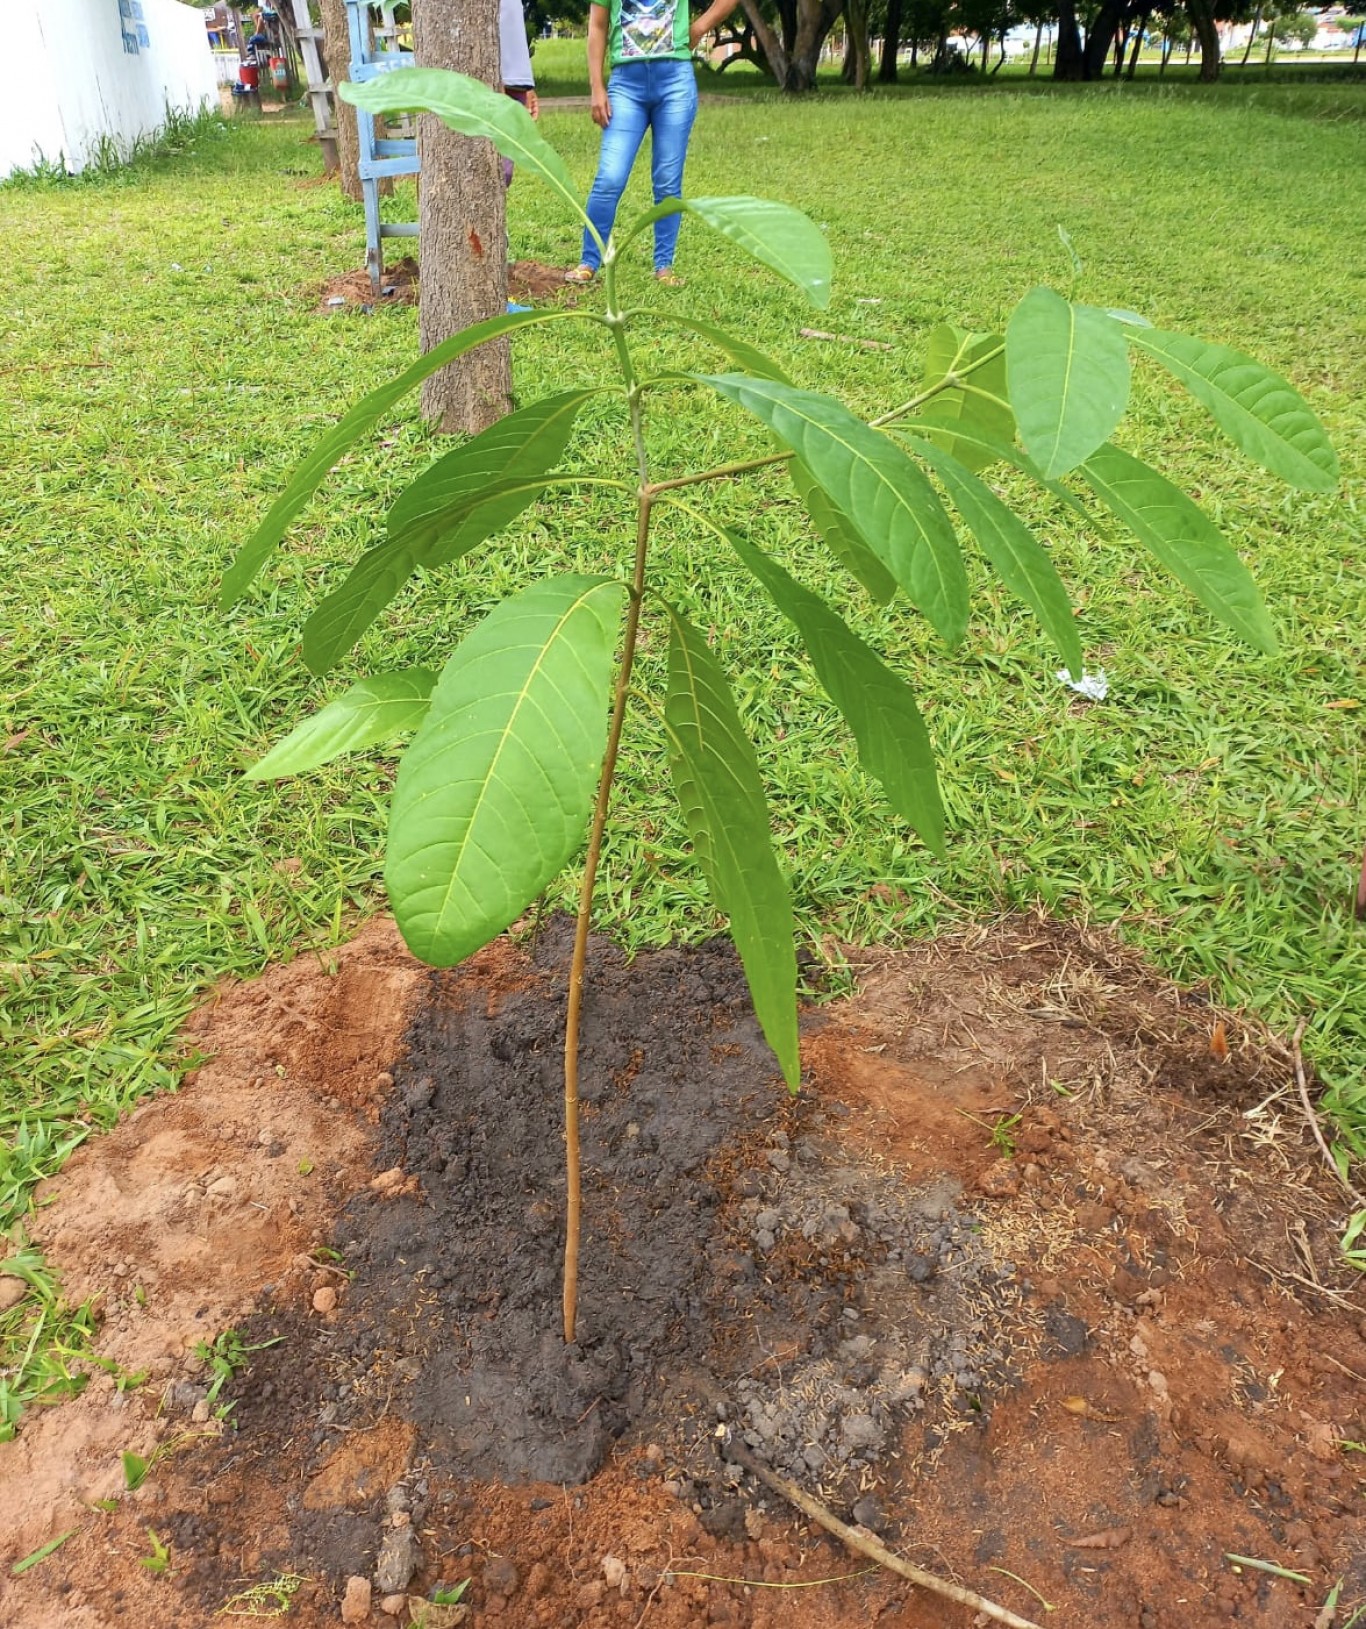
(515,65)
(647,44)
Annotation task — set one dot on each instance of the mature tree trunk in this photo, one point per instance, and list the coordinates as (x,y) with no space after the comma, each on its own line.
(891,44)
(1102,31)
(858,51)
(773,48)
(1038,38)
(1202,21)
(462,224)
(815,19)
(337,55)
(1068,61)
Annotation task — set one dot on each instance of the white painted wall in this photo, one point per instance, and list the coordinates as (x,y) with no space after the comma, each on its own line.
(72,80)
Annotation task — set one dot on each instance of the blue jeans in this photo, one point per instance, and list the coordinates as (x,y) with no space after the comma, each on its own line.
(658,94)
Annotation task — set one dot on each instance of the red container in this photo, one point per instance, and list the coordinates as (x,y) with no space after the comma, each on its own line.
(250,75)
(279,73)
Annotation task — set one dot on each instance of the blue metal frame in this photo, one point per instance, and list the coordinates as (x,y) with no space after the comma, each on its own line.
(380,157)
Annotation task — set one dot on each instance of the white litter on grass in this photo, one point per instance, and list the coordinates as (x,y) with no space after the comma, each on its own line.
(1094,686)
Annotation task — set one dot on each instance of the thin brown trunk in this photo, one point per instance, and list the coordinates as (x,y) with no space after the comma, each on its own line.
(1038,36)
(1138,45)
(1256,24)
(336,50)
(1207,32)
(462,225)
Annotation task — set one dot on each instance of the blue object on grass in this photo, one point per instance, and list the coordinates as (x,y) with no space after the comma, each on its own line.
(512,307)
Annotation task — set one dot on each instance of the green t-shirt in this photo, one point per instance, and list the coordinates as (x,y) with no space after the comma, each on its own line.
(646,28)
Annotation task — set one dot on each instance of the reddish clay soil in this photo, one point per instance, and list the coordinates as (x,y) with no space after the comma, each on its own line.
(1037,1279)
(528,281)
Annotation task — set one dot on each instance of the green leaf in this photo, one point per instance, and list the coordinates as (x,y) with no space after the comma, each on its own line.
(981,401)
(454,505)
(1017,555)
(135,1469)
(1067,367)
(778,236)
(748,358)
(374,710)
(1184,539)
(472,108)
(942,435)
(362,417)
(43,1552)
(886,496)
(1256,409)
(485,483)
(716,776)
(840,536)
(495,791)
(893,743)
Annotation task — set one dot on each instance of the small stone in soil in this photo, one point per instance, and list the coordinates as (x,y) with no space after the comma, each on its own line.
(400,1556)
(325,1300)
(500,1576)
(356,1600)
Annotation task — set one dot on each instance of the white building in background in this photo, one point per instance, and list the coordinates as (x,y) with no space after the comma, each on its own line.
(83,71)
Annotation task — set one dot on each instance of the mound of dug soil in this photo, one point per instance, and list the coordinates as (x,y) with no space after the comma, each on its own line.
(528,281)
(1031,1280)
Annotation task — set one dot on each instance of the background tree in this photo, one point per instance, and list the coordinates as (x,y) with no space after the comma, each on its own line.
(336,52)
(462,224)
(793,46)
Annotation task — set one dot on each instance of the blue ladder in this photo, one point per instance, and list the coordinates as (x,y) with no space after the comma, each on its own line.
(380,157)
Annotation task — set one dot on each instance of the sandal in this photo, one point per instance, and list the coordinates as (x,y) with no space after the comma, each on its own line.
(670,278)
(580,274)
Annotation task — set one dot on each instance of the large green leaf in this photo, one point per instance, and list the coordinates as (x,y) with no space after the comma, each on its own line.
(944,434)
(484,484)
(362,417)
(893,743)
(372,711)
(472,108)
(1067,367)
(1014,551)
(1256,409)
(868,478)
(1184,539)
(495,792)
(841,537)
(342,616)
(450,508)
(777,235)
(749,358)
(980,402)
(716,777)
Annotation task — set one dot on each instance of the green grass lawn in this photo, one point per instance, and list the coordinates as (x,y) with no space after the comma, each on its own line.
(165,366)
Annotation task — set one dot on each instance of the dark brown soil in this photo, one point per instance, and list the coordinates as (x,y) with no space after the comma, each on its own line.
(528,282)
(1030,1279)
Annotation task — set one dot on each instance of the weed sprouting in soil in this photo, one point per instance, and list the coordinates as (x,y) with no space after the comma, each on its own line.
(515,743)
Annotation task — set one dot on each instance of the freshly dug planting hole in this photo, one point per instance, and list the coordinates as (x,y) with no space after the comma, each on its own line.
(1029,1280)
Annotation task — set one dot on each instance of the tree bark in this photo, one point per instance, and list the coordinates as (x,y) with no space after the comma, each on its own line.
(1068,61)
(336,48)
(1256,24)
(1202,21)
(1138,45)
(1038,38)
(769,43)
(1103,29)
(462,225)
(857,53)
(815,19)
(891,44)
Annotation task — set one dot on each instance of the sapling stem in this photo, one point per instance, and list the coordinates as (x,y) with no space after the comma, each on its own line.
(583,922)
